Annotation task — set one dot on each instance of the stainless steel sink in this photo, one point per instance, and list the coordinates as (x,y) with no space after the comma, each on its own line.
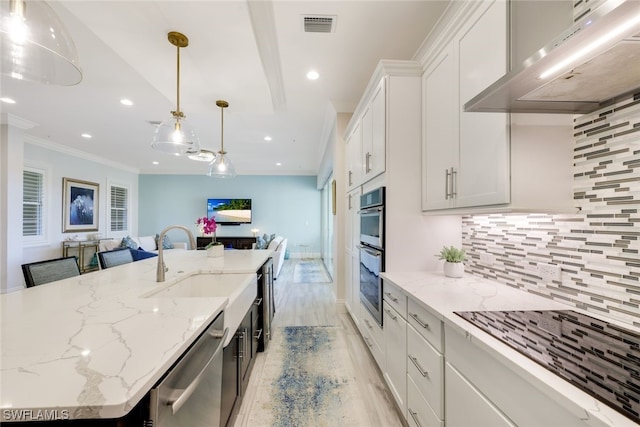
(240,289)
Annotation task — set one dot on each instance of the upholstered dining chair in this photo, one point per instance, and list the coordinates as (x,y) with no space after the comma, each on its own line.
(115,257)
(41,272)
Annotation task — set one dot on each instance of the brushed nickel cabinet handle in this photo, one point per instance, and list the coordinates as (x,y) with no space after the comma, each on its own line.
(391,315)
(446,184)
(420,322)
(391,297)
(368,163)
(414,415)
(417,365)
(454,182)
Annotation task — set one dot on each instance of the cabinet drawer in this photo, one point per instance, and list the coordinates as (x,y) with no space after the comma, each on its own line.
(425,366)
(372,334)
(427,324)
(419,413)
(395,297)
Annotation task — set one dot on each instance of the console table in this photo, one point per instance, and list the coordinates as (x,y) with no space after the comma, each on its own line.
(237,242)
(82,248)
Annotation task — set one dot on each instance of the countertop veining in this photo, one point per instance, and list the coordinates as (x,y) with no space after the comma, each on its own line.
(443,296)
(92,346)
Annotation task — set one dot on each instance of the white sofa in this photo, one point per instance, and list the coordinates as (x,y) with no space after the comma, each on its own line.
(147,243)
(279,246)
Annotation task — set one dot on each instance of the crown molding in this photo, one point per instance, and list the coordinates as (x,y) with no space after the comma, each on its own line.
(29,139)
(19,122)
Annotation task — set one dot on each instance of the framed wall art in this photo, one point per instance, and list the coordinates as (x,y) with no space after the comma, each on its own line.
(79,205)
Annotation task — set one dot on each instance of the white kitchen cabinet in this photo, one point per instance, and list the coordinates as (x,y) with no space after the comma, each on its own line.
(480,388)
(440,126)
(465,155)
(419,413)
(353,153)
(487,162)
(352,255)
(374,134)
(466,406)
(373,336)
(395,344)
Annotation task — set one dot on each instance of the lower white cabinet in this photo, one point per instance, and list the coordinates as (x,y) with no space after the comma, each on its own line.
(466,406)
(395,343)
(425,368)
(419,413)
(373,336)
(470,368)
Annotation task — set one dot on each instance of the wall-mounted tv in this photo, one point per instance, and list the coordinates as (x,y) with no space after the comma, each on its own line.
(229,211)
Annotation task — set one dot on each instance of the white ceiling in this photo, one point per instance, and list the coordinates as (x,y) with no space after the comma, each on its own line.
(254,54)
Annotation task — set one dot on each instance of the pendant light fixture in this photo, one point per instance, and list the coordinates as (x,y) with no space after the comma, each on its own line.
(221,166)
(35,44)
(175,135)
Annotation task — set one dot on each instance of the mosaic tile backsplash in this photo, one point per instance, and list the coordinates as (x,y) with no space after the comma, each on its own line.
(598,248)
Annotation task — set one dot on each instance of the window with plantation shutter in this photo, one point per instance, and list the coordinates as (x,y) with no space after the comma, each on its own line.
(119,208)
(32,202)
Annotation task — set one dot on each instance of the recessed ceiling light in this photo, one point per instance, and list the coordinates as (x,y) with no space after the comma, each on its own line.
(126,102)
(278,164)
(155,163)
(267,138)
(86,135)
(8,100)
(313,75)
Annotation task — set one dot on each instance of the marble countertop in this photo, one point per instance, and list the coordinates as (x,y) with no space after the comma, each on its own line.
(442,296)
(92,346)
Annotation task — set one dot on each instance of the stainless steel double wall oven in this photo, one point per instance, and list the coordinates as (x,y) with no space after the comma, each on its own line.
(372,251)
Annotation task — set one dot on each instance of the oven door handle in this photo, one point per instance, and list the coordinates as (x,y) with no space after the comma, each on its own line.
(371,210)
(371,252)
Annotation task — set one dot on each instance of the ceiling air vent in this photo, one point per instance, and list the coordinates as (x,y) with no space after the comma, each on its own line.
(319,23)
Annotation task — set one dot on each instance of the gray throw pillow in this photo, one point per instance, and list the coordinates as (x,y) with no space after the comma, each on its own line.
(128,242)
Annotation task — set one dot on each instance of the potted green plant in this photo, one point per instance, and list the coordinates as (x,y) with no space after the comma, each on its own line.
(453,261)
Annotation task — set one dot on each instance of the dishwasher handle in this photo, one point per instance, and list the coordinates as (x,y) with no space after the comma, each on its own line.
(184,395)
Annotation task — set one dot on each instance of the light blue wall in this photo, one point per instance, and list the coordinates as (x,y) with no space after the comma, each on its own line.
(284,205)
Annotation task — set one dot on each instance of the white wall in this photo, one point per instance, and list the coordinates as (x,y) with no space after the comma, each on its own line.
(59,162)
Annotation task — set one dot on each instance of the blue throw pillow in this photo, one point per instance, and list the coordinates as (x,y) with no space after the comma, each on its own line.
(128,242)
(166,243)
(138,254)
(261,243)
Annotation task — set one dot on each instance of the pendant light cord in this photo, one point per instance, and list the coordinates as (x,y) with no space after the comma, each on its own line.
(178,83)
(222,130)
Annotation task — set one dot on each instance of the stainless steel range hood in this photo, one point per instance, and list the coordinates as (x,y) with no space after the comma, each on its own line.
(585,68)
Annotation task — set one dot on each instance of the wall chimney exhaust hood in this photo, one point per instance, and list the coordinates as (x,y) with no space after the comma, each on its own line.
(585,68)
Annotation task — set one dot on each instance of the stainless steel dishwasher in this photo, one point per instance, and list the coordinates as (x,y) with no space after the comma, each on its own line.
(189,395)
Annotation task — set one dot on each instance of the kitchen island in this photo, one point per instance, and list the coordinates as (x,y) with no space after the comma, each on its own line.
(476,379)
(92,346)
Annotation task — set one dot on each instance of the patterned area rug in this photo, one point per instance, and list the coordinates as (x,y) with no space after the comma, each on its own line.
(307,380)
(310,272)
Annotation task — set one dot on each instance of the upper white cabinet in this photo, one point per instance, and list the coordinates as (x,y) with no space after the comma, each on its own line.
(353,151)
(374,126)
(474,162)
(465,155)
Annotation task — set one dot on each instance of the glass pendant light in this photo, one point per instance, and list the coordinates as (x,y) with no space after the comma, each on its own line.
(175,135)
(35,44)
(221,166)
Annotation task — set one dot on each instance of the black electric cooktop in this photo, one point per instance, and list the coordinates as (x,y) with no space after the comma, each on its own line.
(597,357)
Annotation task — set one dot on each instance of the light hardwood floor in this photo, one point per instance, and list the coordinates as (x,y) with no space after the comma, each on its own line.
(314,304)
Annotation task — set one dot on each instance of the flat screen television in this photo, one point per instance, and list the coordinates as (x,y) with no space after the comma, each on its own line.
(229,211)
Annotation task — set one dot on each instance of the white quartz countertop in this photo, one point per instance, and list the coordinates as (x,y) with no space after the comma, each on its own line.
(443,296)
(92,346)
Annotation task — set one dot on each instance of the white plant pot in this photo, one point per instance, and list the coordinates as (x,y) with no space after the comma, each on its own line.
(453,269)
(215,251)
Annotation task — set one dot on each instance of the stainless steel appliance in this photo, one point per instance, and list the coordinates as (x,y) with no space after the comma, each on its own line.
(598,357)
(591,62)
(265,304)
(372,251)
(189,394)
